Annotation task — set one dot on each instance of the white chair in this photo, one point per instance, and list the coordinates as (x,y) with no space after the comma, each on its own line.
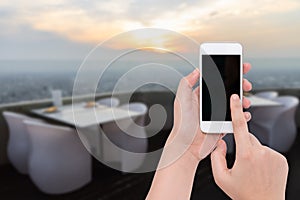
(275,126)
(58,162)
(91,134)
(18,142)
(267,94)
(110,102)
(133,140)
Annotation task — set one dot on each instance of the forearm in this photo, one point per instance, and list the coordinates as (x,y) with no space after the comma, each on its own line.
(176,180)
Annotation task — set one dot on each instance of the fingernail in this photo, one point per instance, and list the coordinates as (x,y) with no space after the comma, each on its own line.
(247,115)
(195,72)
(235,97)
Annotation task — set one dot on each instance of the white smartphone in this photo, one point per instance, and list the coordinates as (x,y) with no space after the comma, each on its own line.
(220,76)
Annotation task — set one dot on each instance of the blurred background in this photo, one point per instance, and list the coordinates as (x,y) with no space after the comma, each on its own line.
(43,44)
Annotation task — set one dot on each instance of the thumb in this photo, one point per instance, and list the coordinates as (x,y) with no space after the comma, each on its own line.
(219,164)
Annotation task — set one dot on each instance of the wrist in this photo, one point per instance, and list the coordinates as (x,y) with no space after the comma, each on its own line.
(188,161)
(176,176)
(185,158)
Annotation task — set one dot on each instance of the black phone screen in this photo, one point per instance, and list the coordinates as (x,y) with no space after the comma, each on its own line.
(220,79)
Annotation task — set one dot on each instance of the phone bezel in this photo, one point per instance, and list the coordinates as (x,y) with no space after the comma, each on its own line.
(219,127)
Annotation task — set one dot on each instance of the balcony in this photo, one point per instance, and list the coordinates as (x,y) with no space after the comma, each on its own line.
(108,183)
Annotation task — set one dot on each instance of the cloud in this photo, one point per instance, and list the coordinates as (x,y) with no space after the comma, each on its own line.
(65,16)
(254,23)
(40,45)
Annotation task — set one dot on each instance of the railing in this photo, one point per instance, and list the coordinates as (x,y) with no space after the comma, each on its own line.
(164,98)
(149,98)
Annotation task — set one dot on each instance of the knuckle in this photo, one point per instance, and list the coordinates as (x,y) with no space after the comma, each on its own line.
(238,108)
(284,160)
(263,152)
(219,180)
(287,166)
(246,155)
(284,163)
(281,160)
(239,122)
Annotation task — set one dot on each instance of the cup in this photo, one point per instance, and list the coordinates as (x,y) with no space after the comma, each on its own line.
(56,97)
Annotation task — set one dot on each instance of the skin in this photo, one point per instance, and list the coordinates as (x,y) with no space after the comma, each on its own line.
(258,173)
(175,181)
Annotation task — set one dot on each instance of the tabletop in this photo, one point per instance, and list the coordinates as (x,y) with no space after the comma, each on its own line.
(259,101)
(80,116)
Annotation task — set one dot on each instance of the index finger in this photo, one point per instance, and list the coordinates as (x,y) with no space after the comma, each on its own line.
(240,128)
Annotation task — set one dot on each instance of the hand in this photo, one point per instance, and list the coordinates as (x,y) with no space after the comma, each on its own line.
(174,177)
(186,116)
(258,171)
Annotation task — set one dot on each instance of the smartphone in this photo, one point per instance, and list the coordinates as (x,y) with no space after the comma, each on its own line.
(220,76)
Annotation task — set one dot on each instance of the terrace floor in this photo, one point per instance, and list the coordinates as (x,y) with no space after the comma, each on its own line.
(111,184)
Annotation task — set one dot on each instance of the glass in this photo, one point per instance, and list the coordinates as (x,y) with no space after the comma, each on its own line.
(56,97)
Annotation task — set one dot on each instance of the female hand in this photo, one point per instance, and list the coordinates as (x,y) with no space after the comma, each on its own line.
(186,145)
(186,116)
(258,172)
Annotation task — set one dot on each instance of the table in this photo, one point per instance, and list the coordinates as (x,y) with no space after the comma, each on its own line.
(82,117)
(255,103)
(259,101)
(87,120)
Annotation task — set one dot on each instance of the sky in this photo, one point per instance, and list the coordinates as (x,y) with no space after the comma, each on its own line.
(69,29)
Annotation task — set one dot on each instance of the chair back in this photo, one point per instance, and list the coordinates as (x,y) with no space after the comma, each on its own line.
(51,140)
(266,115)
(58,161)
(288,101)
(285,130)
(131,143)
(110,102)
(267,94)
(18,142)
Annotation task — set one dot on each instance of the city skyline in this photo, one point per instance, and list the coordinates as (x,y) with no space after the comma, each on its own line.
(64,29)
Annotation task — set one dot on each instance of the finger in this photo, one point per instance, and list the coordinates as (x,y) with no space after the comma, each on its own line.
(240,128)
(184,91)
(247,86)
(193,77)
(247,116)
(246,103)
(254,140)
(197,91)
(218,163)
(246,68)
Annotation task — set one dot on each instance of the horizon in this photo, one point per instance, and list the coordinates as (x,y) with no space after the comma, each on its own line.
(47,65)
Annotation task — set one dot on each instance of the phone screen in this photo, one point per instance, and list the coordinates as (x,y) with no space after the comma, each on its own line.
(225,69)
